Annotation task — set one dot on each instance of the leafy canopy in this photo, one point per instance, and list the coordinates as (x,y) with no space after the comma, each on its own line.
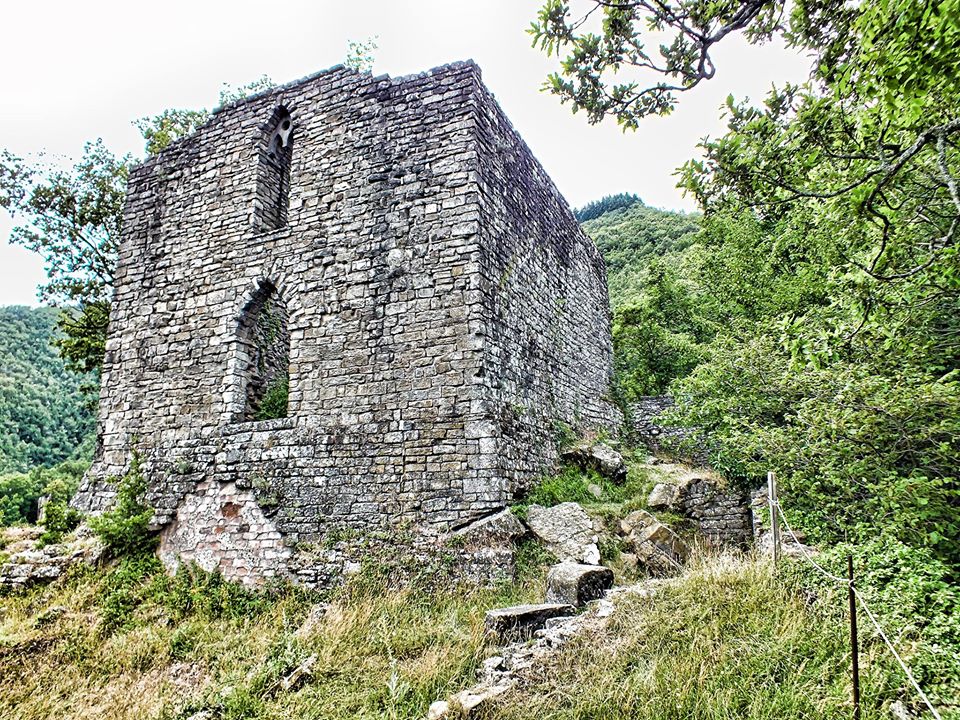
(821,299)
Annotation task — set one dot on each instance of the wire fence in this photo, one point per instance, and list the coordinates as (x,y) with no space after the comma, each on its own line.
(807,555)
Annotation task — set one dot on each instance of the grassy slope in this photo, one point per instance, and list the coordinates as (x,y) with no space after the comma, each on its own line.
(176,647)
(724,640)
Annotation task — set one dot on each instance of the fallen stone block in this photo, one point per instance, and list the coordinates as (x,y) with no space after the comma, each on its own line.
(600,457)
(498,529)
(520,621)
(656,546)
(576,584)
(664,496)
(567,531)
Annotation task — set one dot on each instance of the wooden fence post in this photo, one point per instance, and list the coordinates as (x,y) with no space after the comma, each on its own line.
(773,501)
(855,653)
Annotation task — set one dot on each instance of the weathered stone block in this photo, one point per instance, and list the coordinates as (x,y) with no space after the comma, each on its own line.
(520,621)
(576,584)
(567,531)
(656,546)
(600,457)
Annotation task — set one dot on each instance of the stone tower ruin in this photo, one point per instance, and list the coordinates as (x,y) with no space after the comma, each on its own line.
(350,303)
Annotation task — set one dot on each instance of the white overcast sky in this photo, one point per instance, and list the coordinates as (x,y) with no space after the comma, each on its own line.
(75,71)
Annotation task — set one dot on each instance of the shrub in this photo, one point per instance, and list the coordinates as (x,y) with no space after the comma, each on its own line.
(916,600)
(274,402)
(195,592)
(58,520)
(125,529)
(123,591)
(572,484)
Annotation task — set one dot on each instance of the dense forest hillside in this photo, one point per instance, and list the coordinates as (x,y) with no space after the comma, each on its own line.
(630,235)
(653,263)
(44,416)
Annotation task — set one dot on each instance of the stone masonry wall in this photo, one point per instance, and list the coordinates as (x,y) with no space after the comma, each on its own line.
(416,390)
(547,356)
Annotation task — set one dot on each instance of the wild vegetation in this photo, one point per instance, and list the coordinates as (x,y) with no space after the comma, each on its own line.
(814,324)
(723,639)
(131,642)
(45,418)
(807,320)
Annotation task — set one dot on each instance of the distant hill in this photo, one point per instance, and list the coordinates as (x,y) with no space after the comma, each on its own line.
(43,416)
(630,236)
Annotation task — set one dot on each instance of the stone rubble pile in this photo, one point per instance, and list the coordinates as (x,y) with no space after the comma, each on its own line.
(576,584)
(501,672)
(28,564)
(656,547)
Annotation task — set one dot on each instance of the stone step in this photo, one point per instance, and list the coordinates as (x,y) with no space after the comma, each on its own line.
(519,621)
(577,584)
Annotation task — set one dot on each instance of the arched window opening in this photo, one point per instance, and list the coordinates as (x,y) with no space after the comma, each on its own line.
(273,180)
(265,338)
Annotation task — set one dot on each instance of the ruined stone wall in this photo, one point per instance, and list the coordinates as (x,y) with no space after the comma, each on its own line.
(547,357)
(413,399)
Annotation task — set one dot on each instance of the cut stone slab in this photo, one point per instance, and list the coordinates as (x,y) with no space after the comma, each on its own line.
(576,584)
(567,531)
(600,457)
(523,620)
(656,546)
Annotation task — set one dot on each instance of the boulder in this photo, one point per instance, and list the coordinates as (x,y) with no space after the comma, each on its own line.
(576,584)
(656,546)
(493,530)
(664,496)
(600,457)
(567,531)
(522,621)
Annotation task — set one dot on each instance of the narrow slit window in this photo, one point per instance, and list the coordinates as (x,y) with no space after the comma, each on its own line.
(273,181)
(265,337)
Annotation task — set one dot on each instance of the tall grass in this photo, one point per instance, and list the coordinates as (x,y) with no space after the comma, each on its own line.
(128,645)
(723,641)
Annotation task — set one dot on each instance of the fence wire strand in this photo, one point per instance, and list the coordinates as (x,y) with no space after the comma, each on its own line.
(808,556)
(889,644)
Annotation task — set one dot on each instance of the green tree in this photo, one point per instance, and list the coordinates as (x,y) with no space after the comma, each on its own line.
(73,219)
(44,418)
(592,74)
(828,257)
(20,492)
(170,125)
